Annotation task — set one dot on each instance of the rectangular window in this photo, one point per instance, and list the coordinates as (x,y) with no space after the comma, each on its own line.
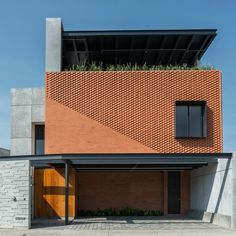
(39,139)
(190,119)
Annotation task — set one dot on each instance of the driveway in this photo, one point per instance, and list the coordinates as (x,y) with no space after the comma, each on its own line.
(114,226)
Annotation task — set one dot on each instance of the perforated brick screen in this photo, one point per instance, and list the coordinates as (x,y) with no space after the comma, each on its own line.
(137,104)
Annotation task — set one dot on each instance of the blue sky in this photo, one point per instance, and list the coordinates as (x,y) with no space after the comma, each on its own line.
(22,43)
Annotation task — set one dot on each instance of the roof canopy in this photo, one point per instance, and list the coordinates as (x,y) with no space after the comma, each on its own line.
(124,162)
(150,47)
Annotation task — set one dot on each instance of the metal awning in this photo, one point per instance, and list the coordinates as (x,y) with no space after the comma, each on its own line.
(124,162)
(150,47)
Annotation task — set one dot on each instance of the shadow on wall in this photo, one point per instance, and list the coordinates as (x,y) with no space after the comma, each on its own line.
(221,190)
(42,209)
(204,190)
(49,193)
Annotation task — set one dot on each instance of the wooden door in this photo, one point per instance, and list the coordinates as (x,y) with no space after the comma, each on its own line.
(49,192)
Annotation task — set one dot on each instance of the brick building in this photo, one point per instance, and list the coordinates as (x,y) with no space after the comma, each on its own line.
(117,126)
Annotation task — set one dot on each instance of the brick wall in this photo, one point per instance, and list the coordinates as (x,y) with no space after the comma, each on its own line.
(14,194)
(102,112)
(140,190)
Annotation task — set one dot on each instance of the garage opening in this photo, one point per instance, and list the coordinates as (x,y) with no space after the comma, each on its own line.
(146,192)
(69,185)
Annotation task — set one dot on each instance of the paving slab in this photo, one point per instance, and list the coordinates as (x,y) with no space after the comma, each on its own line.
(114,226)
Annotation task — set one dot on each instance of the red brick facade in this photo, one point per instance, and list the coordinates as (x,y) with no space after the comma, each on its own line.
(128,111)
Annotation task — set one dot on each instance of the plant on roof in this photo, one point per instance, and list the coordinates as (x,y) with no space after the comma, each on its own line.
(129,67)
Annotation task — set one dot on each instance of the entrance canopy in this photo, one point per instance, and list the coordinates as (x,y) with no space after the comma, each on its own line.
(124,162)
(119,162)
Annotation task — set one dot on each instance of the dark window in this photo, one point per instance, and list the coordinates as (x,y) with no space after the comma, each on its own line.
(190,119)
(182,121)
(39,139)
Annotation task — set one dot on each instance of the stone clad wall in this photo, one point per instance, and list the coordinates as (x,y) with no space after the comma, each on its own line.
(15,194)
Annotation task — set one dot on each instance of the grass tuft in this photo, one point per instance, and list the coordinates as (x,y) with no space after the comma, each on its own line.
(120,212)
(128,67)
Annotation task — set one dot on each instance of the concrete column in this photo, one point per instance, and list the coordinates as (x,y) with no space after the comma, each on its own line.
(53,44)
(233,218)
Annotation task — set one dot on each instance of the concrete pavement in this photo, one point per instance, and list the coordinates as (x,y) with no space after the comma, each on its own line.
(40,232)
(122,226)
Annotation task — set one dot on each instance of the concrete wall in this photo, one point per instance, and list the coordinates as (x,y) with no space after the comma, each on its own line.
(4,152)
(233,220)
(211,193)
(27,108)
(15,194)
(53,44)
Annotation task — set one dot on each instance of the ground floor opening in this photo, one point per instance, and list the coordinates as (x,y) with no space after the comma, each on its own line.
(167,192)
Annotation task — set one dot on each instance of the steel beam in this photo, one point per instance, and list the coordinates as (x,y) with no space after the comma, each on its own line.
(66,193)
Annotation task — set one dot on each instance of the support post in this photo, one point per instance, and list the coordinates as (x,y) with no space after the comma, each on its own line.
(233,217)
(66,193)
(165,197)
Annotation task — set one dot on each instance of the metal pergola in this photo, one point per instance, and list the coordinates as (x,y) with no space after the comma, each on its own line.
(150,47)
(119,162)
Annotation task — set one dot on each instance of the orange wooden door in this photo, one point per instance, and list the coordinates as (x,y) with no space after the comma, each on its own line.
(49,192)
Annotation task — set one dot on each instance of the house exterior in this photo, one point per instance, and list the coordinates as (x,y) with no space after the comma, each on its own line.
(148,139)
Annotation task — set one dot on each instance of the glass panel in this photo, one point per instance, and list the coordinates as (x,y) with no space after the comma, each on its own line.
(195,121)
(181,121)
(39,139)
(39,147)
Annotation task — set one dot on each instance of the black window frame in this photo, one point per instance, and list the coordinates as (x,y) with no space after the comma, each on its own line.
(189,104)
(39,135)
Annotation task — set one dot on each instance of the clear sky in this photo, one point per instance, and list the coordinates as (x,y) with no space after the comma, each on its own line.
(22,40)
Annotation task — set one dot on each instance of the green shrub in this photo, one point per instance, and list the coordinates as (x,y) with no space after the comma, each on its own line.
(128,67)
(120,212)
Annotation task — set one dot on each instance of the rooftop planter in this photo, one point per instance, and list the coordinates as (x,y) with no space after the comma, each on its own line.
(129,67)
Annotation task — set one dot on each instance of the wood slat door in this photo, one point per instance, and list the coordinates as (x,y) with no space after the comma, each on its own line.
(49,192)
